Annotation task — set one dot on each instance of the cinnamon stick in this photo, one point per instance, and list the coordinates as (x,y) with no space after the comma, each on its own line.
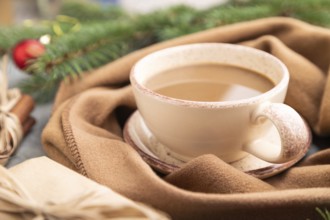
(23,108)
(28,124)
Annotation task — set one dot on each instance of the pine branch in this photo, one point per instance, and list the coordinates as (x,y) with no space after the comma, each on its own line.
(89,48)
(107,34)
(324,214)
(46,86)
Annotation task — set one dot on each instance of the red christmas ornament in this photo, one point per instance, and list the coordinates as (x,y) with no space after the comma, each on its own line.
(26,50)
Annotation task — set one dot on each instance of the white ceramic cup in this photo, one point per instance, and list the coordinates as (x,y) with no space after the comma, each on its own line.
(228,129)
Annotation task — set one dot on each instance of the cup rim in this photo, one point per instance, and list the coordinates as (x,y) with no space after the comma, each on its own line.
(282,84)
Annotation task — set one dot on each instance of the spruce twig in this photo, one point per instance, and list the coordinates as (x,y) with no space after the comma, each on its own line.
(324,214)
(93,49)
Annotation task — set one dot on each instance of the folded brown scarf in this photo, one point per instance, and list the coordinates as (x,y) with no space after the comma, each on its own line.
(85,133)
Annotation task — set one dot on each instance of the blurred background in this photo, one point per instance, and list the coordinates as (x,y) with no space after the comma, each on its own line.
(16,11)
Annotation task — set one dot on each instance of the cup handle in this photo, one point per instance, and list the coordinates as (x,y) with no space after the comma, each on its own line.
(292,129)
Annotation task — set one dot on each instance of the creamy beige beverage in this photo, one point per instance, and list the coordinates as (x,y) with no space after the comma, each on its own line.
(210,82)
(217,99)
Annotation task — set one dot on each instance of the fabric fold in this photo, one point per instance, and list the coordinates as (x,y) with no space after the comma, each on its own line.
(85,133)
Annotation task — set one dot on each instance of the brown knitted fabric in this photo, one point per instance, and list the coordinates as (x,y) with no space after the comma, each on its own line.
(85,133)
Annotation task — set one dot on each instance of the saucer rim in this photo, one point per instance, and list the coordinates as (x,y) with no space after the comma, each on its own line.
(167,168)
(157,164)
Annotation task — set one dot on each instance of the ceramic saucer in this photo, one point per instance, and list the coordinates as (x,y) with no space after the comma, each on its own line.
(159,158)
